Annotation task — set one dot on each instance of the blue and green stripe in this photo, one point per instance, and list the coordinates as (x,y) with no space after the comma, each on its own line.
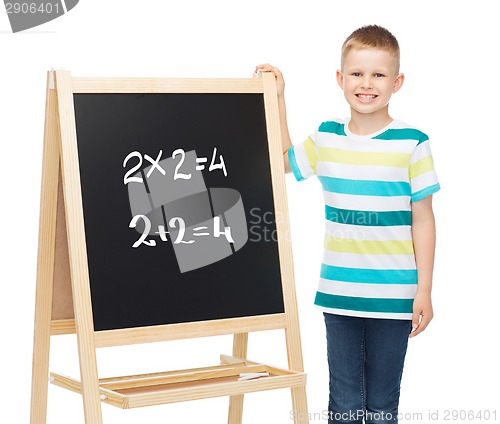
(332,127)
(367,218)
(364,304)
(402,134)
(293,164)
(365,187)
(369,276)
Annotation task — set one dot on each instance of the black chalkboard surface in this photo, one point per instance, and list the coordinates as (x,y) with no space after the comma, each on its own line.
(178,208)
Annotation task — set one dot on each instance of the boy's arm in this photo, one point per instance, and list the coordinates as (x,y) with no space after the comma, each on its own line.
(424,243)
(286,142)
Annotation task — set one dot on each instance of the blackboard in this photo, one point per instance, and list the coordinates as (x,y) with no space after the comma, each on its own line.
(136,152)
(132,168)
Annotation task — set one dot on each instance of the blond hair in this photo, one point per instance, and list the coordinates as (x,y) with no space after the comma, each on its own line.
(371,37)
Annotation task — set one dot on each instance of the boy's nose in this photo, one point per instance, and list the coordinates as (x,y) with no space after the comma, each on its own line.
(367,82)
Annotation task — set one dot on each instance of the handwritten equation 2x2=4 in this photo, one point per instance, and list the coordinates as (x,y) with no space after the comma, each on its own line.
(169,196)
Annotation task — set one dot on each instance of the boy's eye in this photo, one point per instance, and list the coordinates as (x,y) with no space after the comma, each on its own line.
(379,75)
(356,74)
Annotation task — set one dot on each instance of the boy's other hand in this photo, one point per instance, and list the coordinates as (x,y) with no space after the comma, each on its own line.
(422,313)
(280,82)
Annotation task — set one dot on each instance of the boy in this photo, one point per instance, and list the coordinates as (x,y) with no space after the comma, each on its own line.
(378,179)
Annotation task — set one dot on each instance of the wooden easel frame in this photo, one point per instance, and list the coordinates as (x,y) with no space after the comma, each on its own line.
(63,301)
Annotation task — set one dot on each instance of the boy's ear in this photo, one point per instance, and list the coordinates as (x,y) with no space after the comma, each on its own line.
(398,83)
(340,79)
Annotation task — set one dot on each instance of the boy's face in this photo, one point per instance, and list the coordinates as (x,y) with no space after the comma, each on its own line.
(369,79)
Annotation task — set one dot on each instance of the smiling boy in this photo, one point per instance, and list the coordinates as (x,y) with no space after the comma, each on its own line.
(378,178)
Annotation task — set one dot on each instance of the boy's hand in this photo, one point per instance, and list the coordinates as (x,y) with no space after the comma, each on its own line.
(422,313)
(280,82)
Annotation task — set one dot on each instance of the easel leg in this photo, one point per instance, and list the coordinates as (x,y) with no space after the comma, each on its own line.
(45,267)
(295,362)
(240,345)
(78,257)
(40,373)
(299,405)
(41,353)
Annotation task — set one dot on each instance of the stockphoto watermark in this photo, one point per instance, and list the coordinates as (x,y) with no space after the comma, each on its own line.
(24,15)
(431,415)
(353,217)
(263,225)
(354,416)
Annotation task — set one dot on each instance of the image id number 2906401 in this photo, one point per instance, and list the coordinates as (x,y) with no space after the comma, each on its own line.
(469,415)
(32,8)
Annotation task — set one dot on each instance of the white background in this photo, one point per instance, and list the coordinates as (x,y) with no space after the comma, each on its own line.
(450,58)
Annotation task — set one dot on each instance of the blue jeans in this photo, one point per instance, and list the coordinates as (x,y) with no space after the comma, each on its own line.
(366,358)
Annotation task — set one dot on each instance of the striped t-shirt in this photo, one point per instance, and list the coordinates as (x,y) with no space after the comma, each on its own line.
(369,183)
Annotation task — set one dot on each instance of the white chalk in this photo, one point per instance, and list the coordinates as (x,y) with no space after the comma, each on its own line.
(252,375)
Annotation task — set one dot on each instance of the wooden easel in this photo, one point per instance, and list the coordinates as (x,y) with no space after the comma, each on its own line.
(63,300)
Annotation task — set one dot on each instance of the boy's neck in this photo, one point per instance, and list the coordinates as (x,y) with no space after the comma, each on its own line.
(368,123)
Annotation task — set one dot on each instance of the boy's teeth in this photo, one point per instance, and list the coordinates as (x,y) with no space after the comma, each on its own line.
(367,96)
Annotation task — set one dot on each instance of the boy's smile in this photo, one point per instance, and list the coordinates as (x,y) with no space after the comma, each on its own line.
(368,79)
(366,98)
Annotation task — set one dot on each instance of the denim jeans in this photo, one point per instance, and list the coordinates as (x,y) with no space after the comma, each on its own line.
(365,358)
